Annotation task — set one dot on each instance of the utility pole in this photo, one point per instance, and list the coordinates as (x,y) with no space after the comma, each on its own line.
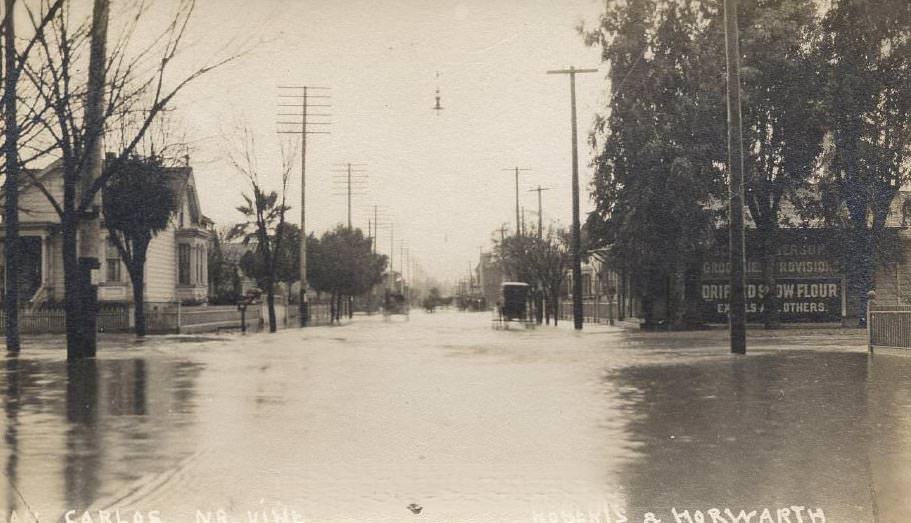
(82,326)
(577,247)
(381,221)
(375,224)
(737,303)
(402,258)
(11,184)
(518,223)
(538,190)
(351,181)
(502,230)
(301,95)
(523,221)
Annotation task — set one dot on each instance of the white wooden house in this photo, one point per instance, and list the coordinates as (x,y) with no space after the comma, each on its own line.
(176,268)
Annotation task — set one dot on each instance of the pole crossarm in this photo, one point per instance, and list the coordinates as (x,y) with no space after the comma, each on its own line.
(571,70)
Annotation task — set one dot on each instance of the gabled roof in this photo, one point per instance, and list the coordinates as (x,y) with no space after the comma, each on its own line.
(184,186)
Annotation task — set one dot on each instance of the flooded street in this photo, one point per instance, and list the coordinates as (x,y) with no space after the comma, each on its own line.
(461,423)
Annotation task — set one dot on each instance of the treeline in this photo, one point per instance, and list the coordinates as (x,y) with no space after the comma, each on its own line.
(826,94)
(340,264)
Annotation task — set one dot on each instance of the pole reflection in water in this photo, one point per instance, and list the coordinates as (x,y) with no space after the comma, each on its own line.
(11,405)
(83,451)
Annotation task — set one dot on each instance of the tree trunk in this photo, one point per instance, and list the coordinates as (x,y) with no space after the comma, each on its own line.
(338,308)
(770,313)
(136,268)
(555,303)
(622,301)
(546,306)
(76,315)
(692,291)
(859,258)
(11,211)
(139,303)
(270,305)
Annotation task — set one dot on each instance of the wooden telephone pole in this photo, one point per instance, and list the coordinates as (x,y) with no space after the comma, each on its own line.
(576,241)
(518,218)
(351,181)
(301,96)
(539,190)
(737,303)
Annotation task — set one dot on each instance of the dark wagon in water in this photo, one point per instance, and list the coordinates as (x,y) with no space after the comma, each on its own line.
(513,303)
(395,303)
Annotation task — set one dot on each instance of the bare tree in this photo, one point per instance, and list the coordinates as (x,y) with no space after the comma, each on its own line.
(83,108)
(13,132)
(264,212)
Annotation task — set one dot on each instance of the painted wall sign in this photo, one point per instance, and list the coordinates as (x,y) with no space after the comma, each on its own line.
(798,299)
(808,275)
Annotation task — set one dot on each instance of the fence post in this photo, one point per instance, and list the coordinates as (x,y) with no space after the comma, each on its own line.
(178,317)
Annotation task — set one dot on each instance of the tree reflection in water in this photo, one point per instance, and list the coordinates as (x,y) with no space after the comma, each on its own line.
(768,430)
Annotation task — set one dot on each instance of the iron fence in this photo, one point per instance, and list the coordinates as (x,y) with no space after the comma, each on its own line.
(888,326)
(593,311)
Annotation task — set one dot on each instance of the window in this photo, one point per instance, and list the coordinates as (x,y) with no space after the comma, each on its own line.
(113,270)
(183,264)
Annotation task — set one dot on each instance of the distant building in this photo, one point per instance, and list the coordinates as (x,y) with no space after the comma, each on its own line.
(176,265)
(490,276)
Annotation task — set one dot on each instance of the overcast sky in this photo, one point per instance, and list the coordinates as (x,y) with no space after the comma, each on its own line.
(439,176)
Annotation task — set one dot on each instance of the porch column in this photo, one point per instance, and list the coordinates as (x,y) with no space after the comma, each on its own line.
(45,265)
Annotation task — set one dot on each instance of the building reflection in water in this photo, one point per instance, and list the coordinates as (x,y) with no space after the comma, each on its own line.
(748,433)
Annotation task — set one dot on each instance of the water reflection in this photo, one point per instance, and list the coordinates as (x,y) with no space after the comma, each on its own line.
(83,451)
(87,431)
(11,397)
(128,398)
(761,431)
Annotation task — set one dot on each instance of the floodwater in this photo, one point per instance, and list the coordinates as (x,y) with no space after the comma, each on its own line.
(442,418)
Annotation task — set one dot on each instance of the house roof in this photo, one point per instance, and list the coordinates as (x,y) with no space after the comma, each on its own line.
(180,179)
(790,217)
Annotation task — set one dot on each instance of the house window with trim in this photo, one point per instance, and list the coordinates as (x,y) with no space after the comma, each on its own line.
(183,264)
(114,274)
